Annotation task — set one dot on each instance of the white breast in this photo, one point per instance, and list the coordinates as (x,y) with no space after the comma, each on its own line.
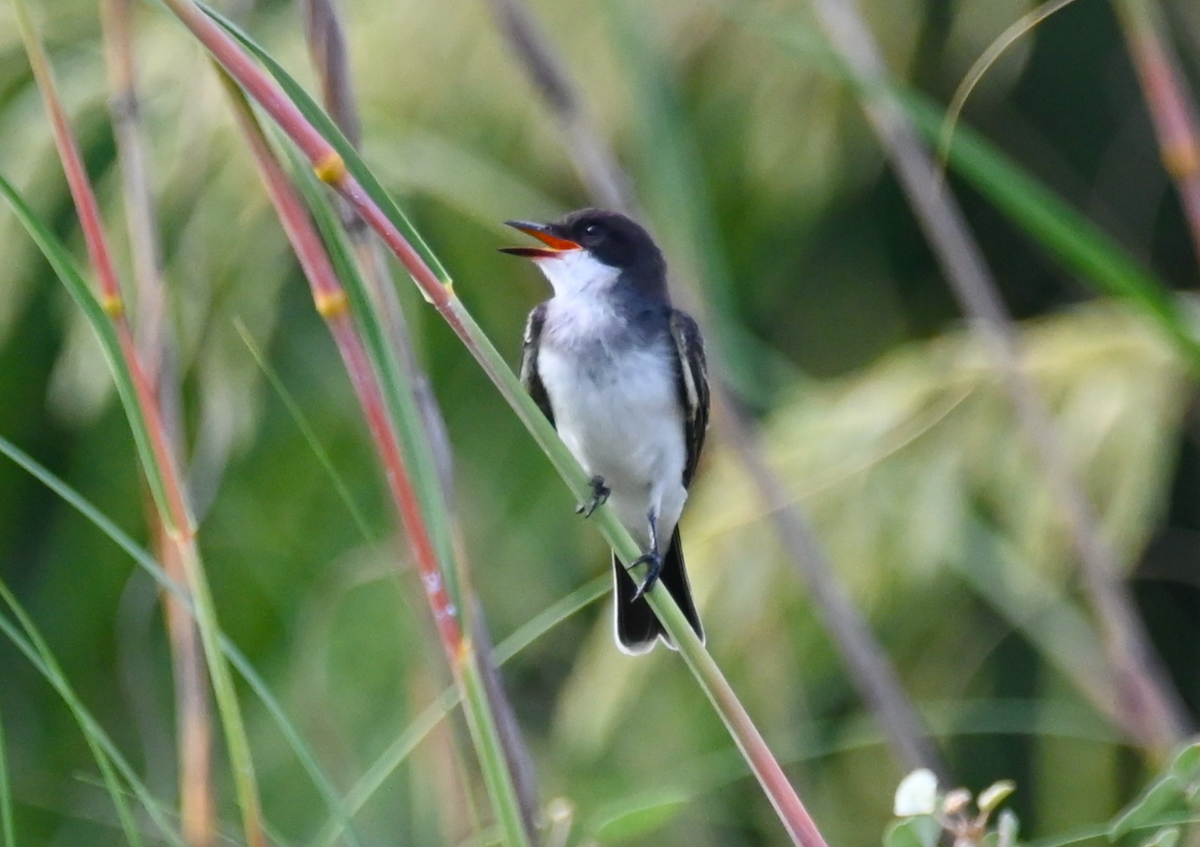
(617,409)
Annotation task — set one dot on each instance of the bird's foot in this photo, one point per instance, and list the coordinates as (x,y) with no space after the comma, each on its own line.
(600,493)
(655,565)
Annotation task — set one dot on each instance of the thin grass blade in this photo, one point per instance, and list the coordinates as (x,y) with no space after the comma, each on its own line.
(782,795)
(389,435)
(1076,242)
(397,391)
(304,753)
(68,272)
(498,771)
(306,430)
(1068,236)
(317,116)
(6,806)
(106,754)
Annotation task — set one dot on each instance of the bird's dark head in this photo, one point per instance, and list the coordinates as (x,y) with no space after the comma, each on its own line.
(593,249)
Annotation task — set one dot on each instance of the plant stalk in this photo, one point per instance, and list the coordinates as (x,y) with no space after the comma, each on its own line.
(192,702)
(1150,711)
(331,167)
(333,304)
(145,418)
(1171,104)
(869,669)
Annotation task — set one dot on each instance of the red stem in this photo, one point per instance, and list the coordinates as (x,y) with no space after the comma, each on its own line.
(330,299)
(176,515)
(108,285)
(332,170)
(1174,118)
(81,193)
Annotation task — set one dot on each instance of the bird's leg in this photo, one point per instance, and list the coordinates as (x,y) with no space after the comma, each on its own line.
(653,559)
(600,493)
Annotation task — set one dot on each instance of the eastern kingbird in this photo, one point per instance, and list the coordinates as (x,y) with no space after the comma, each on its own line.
(621,375)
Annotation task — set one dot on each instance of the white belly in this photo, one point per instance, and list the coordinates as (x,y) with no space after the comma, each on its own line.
(620,418)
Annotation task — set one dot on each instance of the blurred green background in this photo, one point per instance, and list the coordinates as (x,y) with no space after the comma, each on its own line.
(763,183)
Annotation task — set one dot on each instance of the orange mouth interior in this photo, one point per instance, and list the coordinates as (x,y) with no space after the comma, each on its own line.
(555,244)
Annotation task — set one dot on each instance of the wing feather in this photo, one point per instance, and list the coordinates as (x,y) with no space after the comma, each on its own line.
(530,376)
(692,375)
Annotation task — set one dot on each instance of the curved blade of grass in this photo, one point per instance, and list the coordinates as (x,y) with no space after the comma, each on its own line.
(391,432)
(117,344)
(500,756)
(106,754)
(67,271)
(316,115)
(497,769)
(1013,33)
(193,714)
(306,430)
(108,777)
(404,744)
(391,758)
(325,159)
(550,617)
(397,390)
(103,308)
(1078,245)
(304,753)
(6,813)
(158,462)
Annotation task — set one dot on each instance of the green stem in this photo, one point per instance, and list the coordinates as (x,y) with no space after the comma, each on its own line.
(6,815)
(103,750)
(331,165)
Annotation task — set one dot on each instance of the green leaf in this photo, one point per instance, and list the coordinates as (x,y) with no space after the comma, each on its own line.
(1163,795)
(1174,791)
(1186,764)
(640,818)
(994,795)
(1166,837)
(919,831)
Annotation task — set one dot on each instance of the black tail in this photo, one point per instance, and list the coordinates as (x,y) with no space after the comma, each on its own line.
(637,625)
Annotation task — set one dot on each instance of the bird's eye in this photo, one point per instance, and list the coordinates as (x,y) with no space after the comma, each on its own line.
(592,231)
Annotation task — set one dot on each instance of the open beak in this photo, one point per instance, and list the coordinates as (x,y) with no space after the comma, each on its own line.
(554,245)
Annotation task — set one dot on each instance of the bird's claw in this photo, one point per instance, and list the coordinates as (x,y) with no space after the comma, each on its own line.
(600,493)
(655,565)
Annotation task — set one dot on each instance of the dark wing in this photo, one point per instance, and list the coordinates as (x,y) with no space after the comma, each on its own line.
(692,375)
(530,378)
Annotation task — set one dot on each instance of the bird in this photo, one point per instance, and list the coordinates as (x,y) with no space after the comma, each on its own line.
(621,375)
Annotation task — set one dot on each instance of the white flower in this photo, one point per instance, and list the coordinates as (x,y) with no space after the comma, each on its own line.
(917,794)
